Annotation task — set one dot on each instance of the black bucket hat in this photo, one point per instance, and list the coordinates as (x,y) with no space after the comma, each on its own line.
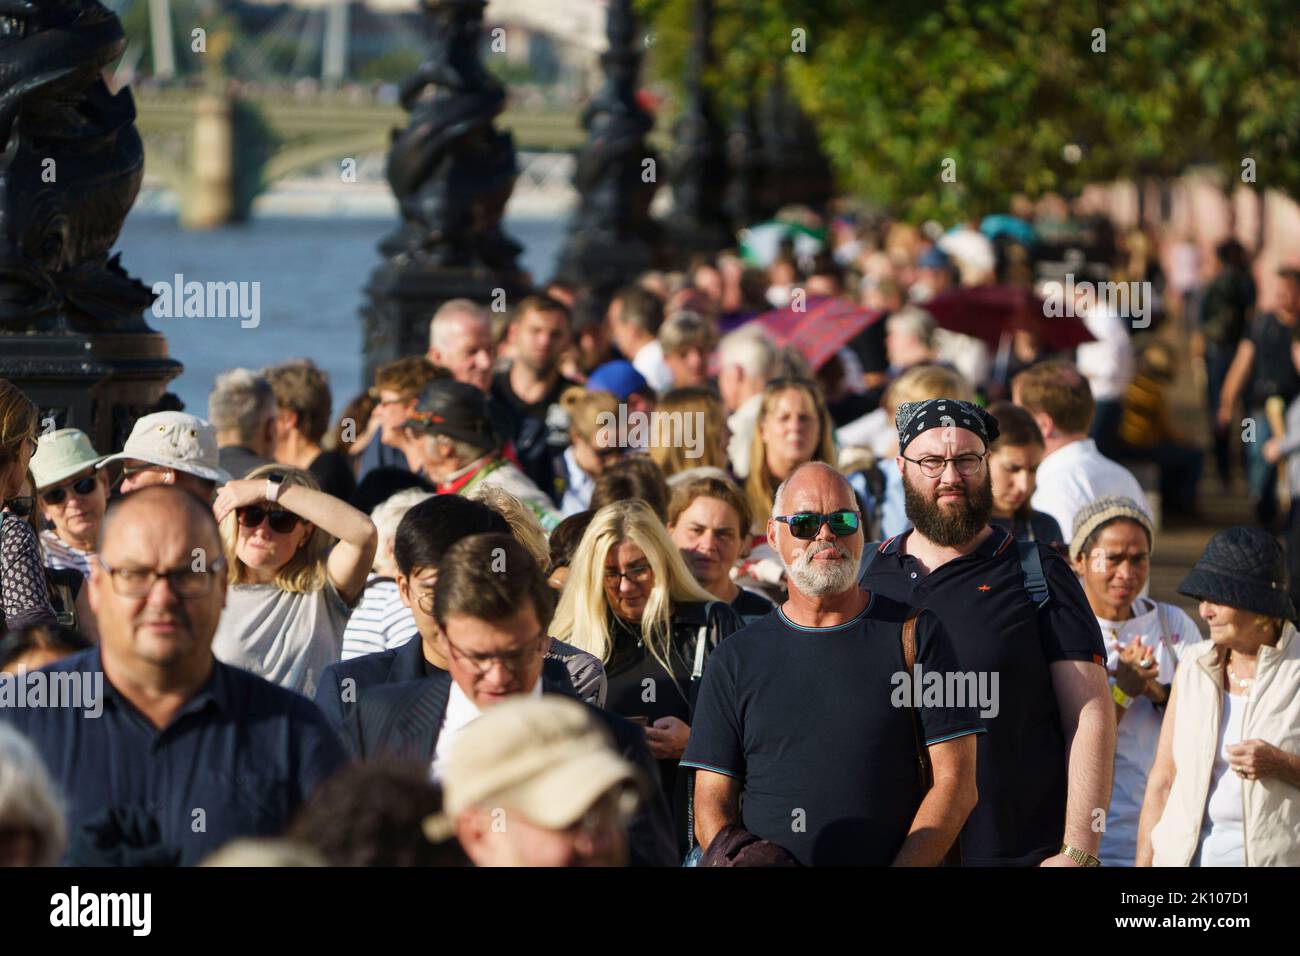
(1243,568)
(455,409)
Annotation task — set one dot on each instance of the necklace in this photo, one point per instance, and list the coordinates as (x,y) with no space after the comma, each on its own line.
(1243,683)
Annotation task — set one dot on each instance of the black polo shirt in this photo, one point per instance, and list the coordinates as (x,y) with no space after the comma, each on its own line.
(238,759)
(996,628)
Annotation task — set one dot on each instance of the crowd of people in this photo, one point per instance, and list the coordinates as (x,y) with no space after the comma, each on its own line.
(624,580)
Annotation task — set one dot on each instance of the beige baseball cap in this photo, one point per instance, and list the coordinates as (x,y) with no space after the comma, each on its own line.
(174,440)
(62,454)
(546,758)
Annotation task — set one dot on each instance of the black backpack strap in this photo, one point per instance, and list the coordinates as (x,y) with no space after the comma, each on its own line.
(1031,563)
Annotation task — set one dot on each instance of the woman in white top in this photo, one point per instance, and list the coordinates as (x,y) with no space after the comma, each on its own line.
(290,594)
(1111,551)
(1225,787)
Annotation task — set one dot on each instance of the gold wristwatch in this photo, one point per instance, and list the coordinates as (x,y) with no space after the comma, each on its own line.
(1079,856)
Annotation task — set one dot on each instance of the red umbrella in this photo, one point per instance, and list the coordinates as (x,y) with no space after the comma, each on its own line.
(820,329)
(988,311)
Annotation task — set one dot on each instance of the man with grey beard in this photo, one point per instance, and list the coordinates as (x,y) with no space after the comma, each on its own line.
(799,711)
(1015,611)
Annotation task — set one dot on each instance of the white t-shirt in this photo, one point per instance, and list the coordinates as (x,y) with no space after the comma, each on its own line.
(288,638)
(1223,838)
(1139,732)
(1076,474)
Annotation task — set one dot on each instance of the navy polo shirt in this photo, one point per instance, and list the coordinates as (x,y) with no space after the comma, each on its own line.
(236,761)
(995,628)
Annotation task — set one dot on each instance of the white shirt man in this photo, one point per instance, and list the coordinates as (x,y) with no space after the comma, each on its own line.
(1077,473)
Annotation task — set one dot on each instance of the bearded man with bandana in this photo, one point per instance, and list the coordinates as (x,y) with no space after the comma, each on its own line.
(1015,612)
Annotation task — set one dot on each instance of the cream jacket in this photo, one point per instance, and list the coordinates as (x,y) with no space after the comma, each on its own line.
(1271,807)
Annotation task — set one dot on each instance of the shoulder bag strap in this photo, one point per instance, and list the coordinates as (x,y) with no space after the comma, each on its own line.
(908,637)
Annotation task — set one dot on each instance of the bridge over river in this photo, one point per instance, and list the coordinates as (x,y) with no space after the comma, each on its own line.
(219,151)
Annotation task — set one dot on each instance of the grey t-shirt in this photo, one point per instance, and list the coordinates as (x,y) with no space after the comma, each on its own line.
(285,637)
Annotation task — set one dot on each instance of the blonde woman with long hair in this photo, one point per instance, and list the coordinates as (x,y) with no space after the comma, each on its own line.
(794,427)
(631,601)
(290,594)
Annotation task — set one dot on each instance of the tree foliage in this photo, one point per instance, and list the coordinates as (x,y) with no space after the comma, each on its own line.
(1006,88)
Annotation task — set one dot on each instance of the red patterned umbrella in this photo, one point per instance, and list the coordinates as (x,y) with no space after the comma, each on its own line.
(820,329)
(987,311)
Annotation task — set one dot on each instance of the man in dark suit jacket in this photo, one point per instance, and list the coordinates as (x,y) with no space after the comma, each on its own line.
(341,685)
(493,607)
(423,537)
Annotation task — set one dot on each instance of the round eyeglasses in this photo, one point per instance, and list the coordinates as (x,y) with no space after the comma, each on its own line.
(932,466)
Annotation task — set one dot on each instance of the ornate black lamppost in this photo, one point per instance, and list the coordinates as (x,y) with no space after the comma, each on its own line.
(452,172)
(72,333)
(747,167)
(698,221)
(612,238)
(797,169)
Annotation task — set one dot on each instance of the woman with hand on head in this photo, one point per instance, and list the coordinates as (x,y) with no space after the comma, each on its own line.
(1225,787)
(290,594)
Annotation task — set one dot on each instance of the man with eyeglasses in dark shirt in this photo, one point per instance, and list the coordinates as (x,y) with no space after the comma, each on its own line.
(1018,619)
(164,753)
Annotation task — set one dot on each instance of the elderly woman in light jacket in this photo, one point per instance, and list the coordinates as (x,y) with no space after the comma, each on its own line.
(1225,787)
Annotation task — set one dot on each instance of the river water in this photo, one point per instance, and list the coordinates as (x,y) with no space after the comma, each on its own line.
(311,272)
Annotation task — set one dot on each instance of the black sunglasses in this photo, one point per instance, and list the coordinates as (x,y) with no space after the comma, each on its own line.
(21,506)
(82,486)
(282,522)
(806,524)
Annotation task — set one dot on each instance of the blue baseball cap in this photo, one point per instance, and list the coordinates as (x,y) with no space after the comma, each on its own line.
(619,378)
(934,258)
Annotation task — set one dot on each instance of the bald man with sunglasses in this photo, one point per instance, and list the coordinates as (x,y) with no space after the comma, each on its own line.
(800,710)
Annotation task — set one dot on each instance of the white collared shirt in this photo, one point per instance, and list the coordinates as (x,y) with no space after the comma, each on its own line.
(460,713)
(1076,474)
